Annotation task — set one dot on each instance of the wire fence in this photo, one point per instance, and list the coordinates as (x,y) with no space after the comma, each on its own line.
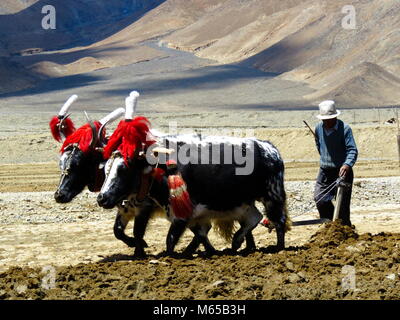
(365,116)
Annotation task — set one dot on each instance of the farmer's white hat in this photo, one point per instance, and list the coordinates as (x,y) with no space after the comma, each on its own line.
(327,110)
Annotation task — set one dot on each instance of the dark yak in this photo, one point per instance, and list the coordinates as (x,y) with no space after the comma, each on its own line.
(205,182)
(81,152)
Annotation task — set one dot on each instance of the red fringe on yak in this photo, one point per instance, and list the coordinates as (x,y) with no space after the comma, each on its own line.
(69,127)
(82,136)
(158,174)
(179,197)
(129,137)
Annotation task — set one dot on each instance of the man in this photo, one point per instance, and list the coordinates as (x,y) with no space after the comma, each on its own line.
(338,154)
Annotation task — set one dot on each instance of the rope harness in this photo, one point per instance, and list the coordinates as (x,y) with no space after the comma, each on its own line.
(146,183)
(338,182)
(333,185)
(324,193)
(65,172)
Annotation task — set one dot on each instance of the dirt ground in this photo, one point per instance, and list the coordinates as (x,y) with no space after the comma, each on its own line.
(336,263)
(73,244)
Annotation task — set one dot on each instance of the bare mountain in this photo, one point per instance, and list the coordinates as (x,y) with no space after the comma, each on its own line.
(13,75)
(298,40)
(367,85)
(79,22)
(304,41)
(13,6)
(30,52)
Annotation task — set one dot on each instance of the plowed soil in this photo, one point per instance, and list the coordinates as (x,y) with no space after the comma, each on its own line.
(336,263)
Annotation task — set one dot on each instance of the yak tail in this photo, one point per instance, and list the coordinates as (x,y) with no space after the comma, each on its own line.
(225,229)
(277,212)
(288,220)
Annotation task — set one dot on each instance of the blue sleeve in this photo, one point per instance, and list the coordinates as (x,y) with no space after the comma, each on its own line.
(317,143)
(351,148)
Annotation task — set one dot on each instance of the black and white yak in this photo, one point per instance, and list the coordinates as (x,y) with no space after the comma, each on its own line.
(81,160)
(205,179)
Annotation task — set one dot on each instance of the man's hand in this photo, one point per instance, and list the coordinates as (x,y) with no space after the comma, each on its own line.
(344,169)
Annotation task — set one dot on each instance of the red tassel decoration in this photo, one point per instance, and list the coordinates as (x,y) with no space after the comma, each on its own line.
(82,136)
(68,127)
(179,197)
(129,136)
(158,174)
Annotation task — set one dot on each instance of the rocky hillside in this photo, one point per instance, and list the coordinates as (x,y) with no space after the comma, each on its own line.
(79,22)
(298,40)
(305,41)
(28,51)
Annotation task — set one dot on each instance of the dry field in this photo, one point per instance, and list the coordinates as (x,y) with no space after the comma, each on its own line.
(76,239)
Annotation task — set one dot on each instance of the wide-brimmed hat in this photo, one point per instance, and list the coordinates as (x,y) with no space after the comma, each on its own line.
(327,110)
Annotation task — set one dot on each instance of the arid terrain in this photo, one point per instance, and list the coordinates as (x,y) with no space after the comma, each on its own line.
(76,240)
(227,67)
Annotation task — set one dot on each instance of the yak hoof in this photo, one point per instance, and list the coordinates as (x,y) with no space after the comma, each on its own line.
(210,253)
(248,250)
(139,253)
(130,242)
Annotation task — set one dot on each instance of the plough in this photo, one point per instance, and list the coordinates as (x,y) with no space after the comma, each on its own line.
(339,195)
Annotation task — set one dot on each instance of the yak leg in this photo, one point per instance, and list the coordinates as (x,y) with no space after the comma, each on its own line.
(139,229)
(276,213)
(275,207)
(121,221)
(200,232)
(175,231)
(249,221)
(250,243)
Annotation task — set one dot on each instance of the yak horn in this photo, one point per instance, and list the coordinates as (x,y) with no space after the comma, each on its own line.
(93,142)
(61,126)
(112,116)
(87,117)
(105,121)
(67,105)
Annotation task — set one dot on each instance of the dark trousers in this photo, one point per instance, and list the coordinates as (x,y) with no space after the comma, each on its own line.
(324,201)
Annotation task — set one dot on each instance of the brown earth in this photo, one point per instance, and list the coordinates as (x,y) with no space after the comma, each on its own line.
(336,263)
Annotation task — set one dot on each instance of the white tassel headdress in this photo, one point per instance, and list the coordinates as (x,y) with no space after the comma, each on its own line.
(130,105)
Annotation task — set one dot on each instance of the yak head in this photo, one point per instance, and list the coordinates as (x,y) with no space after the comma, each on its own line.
(124,153)
(81,162)
(122,178)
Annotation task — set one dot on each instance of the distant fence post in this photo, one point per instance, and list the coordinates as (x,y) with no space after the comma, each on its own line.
(398,146)
(398,132)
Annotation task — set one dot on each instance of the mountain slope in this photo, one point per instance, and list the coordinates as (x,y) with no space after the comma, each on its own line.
(78,22)
(367,85)
(302,41)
